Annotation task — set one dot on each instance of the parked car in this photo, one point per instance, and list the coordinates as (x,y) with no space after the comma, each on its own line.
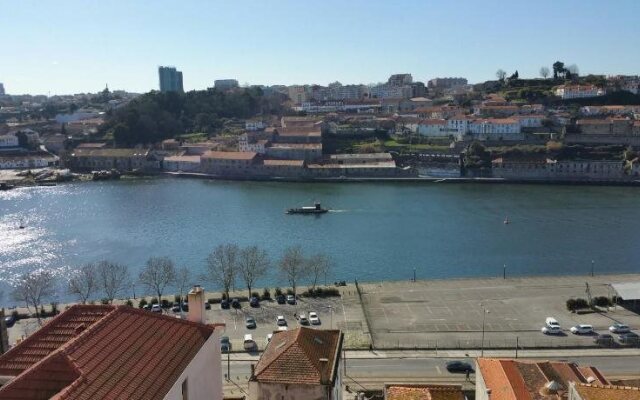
(225,344)
(303,320)
(459,366)
(313,318)
(156,308)
(185,306)
(604,340)
(619,328)
(175,308)
(551,322)
(235,303)
(207,306)
(254,302)
(629,338)
(282,328)
(250,323)
(9,320)
(224,304)
(581,329)
(551,330)
(291,299)
(281,299)
(249,344)
(146,307)
(280,321)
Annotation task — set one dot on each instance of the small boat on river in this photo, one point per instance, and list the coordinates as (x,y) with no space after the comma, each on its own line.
(316,209)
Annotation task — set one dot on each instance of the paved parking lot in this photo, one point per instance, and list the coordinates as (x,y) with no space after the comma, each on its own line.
(329,310)
(449,313)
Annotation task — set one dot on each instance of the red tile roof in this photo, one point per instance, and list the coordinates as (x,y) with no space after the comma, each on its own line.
(523,380)
(125,353)
(301,356)
(602,392)
(230,155)
(423,392)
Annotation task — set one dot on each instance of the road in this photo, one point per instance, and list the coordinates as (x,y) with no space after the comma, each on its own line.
(390,369)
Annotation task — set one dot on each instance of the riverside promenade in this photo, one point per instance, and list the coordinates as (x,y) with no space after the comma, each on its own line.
(491,313)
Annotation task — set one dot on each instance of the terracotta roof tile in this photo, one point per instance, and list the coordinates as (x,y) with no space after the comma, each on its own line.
(114,358)
(601,392)
(230,155)
(423,392)
(300,356)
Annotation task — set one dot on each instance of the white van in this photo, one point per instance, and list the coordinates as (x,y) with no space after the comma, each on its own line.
(249,344)
(552,322)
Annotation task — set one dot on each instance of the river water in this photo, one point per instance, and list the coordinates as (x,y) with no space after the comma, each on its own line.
(376,230)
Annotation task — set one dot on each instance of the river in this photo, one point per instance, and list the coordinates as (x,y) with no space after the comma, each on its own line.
(375,230)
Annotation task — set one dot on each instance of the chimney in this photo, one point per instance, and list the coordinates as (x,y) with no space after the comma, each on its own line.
(196,305)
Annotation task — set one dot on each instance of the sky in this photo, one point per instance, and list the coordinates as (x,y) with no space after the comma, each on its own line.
(76,46)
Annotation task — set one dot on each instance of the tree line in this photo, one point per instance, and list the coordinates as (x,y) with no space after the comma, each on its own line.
(225,266)
(155,116)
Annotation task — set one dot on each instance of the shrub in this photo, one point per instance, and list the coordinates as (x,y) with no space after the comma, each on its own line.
(571,305)
(129,303)
(154,300)
(266,294)
(255,294)
(278,291)
(212,301)
(290,291)
(165,303)
(177,298)
(142,303)
(224,296)
(602,301)
(104,301)
(321,292)
(581,303)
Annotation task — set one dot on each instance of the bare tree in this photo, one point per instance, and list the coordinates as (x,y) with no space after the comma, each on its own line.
(32,288)
(84,282)
(157,274)
(318,265)
(293,266)
(222,265)
(113,278)
(501,74)
(183,278)
(544,72)
(253,264)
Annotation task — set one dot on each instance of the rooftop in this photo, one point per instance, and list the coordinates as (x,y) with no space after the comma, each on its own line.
(607,392)
(230,155)
(101,152)
(423,392)
(526,380)
(301,356)
(101,351)
(281,163)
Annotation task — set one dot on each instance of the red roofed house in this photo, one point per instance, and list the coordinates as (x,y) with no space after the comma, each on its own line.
(303,363)
(423,392)
(117,352)
(506,379)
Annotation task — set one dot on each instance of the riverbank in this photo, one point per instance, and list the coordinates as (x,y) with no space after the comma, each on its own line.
(424,179)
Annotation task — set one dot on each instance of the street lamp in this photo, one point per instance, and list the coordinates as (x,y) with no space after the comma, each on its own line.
(484,314)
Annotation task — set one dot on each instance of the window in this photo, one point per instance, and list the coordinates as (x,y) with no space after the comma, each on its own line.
(185,389)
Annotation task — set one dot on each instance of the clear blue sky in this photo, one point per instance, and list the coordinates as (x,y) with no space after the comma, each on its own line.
(72,46)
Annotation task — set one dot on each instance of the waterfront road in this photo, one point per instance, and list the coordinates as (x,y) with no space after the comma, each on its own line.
(374,372)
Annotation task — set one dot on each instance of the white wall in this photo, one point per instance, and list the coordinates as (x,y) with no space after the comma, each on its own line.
(203,374)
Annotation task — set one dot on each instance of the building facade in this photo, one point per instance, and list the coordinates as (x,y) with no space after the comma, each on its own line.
(225,84)
(181,164)
(228,163)
(446,83)
(9,141)
(566,92)
(170,79)
(88,159)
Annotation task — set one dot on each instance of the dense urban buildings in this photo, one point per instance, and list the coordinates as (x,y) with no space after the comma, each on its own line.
(446,83)
(170,79)
(225,84)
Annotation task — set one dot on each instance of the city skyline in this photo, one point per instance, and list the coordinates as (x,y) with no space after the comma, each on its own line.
(69,48)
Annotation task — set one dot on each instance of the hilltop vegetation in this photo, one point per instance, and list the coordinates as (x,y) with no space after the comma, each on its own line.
(156,116)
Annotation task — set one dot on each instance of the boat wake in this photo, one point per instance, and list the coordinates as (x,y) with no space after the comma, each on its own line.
(337,211)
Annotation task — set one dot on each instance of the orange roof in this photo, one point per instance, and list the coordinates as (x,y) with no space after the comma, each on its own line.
(523,380)
(496,121)
(607,392)
(300,131)
(118,352)
(301,356)
(423,392)
(230,155)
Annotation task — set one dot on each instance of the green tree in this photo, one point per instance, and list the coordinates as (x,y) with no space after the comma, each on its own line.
(558,69)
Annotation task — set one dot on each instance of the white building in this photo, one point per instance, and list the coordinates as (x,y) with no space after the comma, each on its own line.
(529,121)
(117,352)
(8,141)
(254,125)
(387,91)
(495,129)
(246,143)
(578,91)
(433,128)
(24,161)
(181,163)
